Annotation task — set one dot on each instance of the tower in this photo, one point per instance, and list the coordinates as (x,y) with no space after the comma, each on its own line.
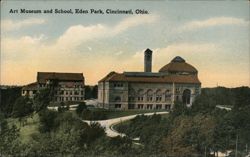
(148,60)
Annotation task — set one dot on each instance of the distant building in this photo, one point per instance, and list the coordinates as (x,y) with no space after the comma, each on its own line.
(68,86)
(176,81)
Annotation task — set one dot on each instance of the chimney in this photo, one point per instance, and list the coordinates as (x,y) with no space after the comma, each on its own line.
(148,60)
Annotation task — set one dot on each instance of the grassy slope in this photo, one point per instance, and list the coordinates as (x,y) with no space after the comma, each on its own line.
(28,129)
(32,124)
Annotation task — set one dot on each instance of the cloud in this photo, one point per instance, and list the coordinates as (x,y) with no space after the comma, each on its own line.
(164,55)
(133,22)
(75,35)
(33,53)
(11,25)
(211,22)
(119,53)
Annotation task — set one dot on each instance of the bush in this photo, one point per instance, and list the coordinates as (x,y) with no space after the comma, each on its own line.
(94,115)
(80,108)
(47,120)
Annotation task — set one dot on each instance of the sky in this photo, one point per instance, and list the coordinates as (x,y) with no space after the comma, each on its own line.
(213,36)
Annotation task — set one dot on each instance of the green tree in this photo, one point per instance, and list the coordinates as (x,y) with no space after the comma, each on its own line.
(47,120)
(8,97)
(22,108)
(9,138)
(42,99)
(80,108)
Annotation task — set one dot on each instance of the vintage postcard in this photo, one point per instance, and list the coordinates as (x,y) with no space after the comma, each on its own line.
(125,78)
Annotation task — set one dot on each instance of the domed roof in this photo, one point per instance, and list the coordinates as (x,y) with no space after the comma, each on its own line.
(178,65)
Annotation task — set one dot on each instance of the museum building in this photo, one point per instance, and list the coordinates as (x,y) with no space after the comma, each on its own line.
(67,86)
(177,81)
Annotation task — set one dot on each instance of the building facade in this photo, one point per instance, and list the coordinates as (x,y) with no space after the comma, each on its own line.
(68,87)
(175,82)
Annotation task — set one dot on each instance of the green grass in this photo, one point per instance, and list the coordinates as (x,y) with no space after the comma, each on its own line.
(124,123)
(127,123)
(28,129)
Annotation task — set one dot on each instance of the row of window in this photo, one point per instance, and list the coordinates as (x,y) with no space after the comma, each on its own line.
(146,106)
(149,98)
(69,98)
(69,92)
(118,84)
(29,91)
(63,86)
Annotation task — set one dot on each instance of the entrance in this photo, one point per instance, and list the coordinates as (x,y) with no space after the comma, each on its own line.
(186,96)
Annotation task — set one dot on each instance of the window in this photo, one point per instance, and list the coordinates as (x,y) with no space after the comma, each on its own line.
(140,98)
(167,106)
(158,106)
(118,84)
(150,95)
(118,99)
(158,98)
(150,106)
(168,95)
(140,106)
(177,90)
(158,95)
(118,105)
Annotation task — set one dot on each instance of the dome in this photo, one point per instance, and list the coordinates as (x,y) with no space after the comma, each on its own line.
(178,65)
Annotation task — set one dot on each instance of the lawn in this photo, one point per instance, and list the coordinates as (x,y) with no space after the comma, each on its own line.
(28,129)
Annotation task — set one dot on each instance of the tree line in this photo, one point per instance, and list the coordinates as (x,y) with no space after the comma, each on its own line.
(201,130)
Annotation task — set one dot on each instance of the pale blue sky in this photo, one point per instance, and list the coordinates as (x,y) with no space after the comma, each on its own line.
(211,35)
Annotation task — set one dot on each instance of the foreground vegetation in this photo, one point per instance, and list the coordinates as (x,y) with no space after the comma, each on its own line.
(29,129)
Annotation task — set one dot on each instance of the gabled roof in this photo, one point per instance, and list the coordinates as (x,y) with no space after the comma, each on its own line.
(43,76)
(113,76)
(31,86)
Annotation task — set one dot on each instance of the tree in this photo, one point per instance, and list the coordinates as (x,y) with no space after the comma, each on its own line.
(179,109)
(22,108)
(8,97)
(80,108)
(9,141)
(189,136)
(42,99)
(94,92)
(47,120)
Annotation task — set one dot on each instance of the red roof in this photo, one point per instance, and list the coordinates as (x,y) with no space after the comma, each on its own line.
(178,67)
(113,76)
(178,64)
(43,76)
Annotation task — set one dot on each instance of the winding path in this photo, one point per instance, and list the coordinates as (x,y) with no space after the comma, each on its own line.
(109,123)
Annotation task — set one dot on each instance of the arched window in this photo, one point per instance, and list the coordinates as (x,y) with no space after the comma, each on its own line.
(140,95)
(158,95)
(117,99)
(150,95)
(167,94)
(186,96)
